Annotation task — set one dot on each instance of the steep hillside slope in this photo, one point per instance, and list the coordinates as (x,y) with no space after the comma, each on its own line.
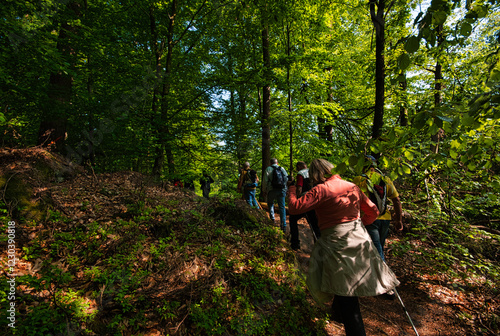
(118,254)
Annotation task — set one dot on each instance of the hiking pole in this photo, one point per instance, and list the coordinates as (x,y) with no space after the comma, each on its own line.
(312,230)
(406,312)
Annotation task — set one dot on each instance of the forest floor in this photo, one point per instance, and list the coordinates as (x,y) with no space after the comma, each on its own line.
(434,309)
(120,254)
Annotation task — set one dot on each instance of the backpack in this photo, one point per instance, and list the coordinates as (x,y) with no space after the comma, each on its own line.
(252,176)
(307,181)
(377,192)
(278,180)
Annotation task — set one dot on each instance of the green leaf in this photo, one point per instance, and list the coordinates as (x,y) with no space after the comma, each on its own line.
(412,44)
(465,29)
(495,75)
(392,135)
(453,154)
(473,150)
(404,61)
(353,160)
(420,120)
(341,168)
(488,142)
(374,148)
(439,17)
(471,166)
(434,128)
(455,144)
(409,155)
(481,11)
(384,161)
(445,118)
(467,120)
(407,170)
(449,163)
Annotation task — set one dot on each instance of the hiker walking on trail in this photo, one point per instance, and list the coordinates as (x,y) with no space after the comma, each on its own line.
(205,182)
(303,185)
(247,184)
(275,187)
(343,264)
(379,188)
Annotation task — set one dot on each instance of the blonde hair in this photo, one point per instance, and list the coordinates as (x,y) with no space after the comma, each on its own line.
(320,170)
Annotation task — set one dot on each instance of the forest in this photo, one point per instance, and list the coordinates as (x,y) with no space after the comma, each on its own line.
(103,104)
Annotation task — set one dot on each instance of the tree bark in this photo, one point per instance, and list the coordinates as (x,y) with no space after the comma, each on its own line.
(438,90)
(289,92)
(157,52)
(377,15)
(164,143)
(266,100)
(52,129)
(403,111)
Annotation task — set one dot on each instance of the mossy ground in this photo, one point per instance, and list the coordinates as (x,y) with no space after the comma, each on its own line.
(118,254)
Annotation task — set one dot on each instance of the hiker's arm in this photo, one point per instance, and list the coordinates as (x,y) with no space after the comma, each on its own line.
(368,209)
(398,213)
(303,204)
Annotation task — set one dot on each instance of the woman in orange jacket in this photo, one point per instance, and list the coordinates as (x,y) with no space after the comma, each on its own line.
(344,263)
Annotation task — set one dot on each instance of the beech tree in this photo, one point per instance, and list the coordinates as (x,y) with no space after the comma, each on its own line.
(165,87)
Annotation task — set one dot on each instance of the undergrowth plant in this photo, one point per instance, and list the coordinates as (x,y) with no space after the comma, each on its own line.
(207,267)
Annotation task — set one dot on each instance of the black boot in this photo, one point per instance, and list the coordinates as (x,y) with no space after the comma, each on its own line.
(350,314)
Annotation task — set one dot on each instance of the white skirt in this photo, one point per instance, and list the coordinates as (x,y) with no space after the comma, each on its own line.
(345,262)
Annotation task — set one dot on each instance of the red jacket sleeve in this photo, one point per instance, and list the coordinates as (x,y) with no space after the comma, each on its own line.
(301,205)
(368,208)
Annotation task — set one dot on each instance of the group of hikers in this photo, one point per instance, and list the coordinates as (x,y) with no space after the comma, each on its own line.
(205,183)
(345,217)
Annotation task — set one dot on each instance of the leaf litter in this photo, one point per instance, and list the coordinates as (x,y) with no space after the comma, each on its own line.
(121,253)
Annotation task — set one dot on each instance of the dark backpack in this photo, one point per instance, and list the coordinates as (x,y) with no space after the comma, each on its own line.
(307,181)
(278,180)
(252,175)
(377,192)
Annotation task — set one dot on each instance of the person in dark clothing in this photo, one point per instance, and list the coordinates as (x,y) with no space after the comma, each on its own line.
(205,182)
(189,185)
(247,185)
(303,185)
(274,191)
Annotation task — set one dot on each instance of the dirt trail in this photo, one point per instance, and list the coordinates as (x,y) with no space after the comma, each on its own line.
(431,316)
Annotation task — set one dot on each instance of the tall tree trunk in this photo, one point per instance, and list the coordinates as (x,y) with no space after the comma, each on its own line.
(241,109)
(157,52)
(377,9)
(159,160)
(289,95)
(325,130)
(266,99)
(403,111)
(438,90)
(165,146)
(52,129)
(327,127)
